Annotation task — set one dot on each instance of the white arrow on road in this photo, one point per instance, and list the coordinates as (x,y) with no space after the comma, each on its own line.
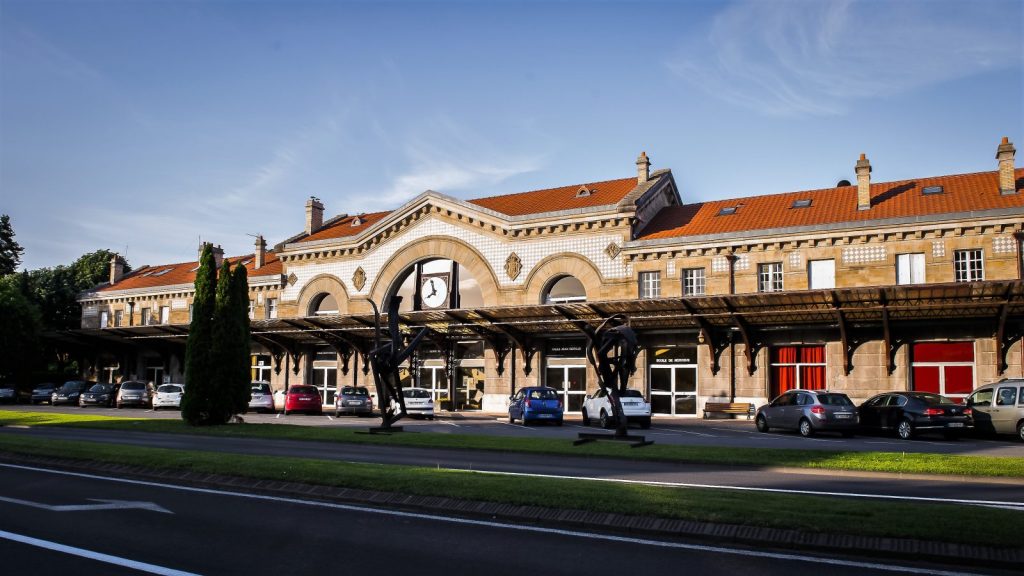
(104,505)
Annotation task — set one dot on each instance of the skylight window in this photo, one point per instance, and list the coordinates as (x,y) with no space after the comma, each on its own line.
(164,271)
(247,262)
(931,190)
(804,203)
(727,211)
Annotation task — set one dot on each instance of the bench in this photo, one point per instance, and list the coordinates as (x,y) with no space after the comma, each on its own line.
(728,408)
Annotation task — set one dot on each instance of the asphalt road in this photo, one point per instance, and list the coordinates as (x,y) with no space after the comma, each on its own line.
(1003,492)
(213,532)
(681,431)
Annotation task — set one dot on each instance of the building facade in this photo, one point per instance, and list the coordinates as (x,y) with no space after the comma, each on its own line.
(862,287)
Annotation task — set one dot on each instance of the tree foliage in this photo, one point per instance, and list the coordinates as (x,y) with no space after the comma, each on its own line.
(199,403)
(237,314)
(19,330)
(10,250)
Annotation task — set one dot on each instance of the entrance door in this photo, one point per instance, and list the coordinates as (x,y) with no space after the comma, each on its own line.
(155,374)
(571,384)
(674,390)
(433,378)
(326,379)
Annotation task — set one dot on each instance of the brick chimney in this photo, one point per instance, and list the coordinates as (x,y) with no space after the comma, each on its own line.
(643,168)
(261,253)
(863,170)
(1004,154)
(116,268)
(314,214)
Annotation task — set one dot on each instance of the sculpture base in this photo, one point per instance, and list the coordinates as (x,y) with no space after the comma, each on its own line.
(635,441)
(381,430)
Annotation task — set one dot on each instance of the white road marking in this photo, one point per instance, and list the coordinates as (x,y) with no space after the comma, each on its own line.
(116,560)
(450,423)
(684,432)
(329,417)
(278,415)
(104,505)
(801,558)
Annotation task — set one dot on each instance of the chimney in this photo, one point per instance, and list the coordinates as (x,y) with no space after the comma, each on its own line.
(261,253)
(1004,154)
(314,214)
(116,268)
(643,168)
(863,169)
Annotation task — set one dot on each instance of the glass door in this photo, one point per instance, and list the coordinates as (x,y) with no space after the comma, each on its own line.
(571,384)
(674,390)
(326,379)
(433,378)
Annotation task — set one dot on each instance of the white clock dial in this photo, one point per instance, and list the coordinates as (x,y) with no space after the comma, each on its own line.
(434,291)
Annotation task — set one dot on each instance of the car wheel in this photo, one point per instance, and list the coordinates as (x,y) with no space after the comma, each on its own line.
(806,430)
(606,422)
(905,429)
(761,423)
(645,423)
(525,421)
(286,412)
(1020,430)
(119,406)
(511,420)
(586,419)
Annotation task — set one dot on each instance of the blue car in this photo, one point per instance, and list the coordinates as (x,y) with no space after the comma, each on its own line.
(536,403)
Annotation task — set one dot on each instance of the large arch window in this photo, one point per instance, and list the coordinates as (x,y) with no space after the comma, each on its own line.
(563,290)
(437,284)
(323,305)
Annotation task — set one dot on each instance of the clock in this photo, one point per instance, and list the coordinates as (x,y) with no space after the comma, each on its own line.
(434,291)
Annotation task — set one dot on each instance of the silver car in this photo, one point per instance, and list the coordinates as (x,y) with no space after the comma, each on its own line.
(809,411)
(353,400)
(261,399)
(999,408)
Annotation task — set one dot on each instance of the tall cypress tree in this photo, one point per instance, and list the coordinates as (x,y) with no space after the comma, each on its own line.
(241,378)
(224,345)
(197,405)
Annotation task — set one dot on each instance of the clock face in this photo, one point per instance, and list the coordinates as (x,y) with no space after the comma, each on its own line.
(434,291)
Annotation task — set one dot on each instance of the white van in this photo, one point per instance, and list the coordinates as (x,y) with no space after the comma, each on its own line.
(999,407)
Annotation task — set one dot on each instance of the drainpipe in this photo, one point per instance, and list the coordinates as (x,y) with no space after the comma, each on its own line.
(732,368)
(1019,237)
(731,258)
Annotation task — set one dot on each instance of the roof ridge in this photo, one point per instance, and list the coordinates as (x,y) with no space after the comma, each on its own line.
(550,188)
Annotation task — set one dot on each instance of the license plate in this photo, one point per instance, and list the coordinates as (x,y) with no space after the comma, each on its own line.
(955,425)
(545,415)
(843,415)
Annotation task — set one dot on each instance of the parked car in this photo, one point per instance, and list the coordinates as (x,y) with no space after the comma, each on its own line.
(261,398)
(910,413)
(999,408)
(634,407)
(535,403)
(303,399)
(70,392)
(42,393)
(9,393)
(809,412)
(98,395)
(134,393)
(353,400)
(419,402)
(168,396)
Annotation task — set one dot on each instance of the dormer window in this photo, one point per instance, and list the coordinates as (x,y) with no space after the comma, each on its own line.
(804,203)
(727,211)
(583,192)
(162,272)
(357,221)
(931,190)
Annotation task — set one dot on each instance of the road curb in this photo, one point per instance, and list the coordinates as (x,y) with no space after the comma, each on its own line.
(719,534)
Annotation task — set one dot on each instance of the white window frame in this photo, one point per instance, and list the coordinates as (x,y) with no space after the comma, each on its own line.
(118,318)
(910,268)
(147,316)
(694,282)
(769,277)
(814,282)
(165,314)
(252,309)
(969,265)
(650,284)
(104,319)
(271,308)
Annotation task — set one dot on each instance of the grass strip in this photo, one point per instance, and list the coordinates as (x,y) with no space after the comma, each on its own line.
(932,522)
(891,462)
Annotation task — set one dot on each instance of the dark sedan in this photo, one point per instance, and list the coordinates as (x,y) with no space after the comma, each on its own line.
(43,393)
(98,395)
(911,413)
(69,392)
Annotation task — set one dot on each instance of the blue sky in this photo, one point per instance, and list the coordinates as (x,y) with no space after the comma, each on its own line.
(144,126)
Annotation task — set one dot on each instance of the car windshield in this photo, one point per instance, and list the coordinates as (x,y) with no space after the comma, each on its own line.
(302,390)
(169,388)
(133,386)
(934,399)
(353,391)
(834,400)
(70,386)
(264,388)
(100,388)
(415,393)
(631,394)
(543,394)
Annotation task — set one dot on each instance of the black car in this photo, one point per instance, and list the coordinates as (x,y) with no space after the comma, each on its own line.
(98,395)
(10,393)
(69,392)
(910,413)
(43,393)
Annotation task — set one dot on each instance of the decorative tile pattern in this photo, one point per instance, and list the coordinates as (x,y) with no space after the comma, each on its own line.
(719,264)
(513,266)
(938,249)
(795,260)
(742,263)
(359,279)
(862,254)
(90,311)
(670,270)
(1004,245)
(179,304)
(494,251)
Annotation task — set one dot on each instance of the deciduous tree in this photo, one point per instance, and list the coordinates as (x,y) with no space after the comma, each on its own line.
(10,250)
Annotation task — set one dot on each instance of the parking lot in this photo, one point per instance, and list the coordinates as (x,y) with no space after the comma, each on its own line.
(682,431)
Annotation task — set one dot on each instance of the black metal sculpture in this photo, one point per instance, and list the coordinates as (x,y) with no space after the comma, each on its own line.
(385,359)
(612,349)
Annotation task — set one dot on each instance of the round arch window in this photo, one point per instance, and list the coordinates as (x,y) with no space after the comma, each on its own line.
(436,284)
(563,290)
(323,305)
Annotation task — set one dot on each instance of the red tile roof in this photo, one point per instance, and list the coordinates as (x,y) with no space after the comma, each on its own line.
(562,198)
(961,193)
(185,273)
(344,228)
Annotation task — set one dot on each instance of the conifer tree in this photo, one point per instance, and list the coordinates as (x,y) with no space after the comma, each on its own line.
(241,378)
(199,401)
(224,345)
(10,250)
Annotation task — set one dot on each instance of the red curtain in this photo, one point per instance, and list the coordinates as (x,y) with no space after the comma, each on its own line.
(812,377)
(783,378)
(926,379)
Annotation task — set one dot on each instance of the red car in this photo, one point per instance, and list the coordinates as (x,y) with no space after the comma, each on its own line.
(303,399)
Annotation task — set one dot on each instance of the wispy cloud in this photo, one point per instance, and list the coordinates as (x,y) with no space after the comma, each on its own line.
(796,57)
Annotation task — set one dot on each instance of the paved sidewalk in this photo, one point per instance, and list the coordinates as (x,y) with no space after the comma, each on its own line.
(727,534)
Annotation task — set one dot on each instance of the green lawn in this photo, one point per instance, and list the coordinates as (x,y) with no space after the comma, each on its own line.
(893,462)
(948,523)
